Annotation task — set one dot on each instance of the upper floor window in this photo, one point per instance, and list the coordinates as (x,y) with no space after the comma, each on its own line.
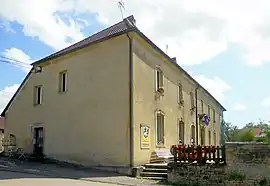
(38,95)
(159,80)
(202,106)
(63,81)
(192,104)
(214,115)
(180,94)
(208,110)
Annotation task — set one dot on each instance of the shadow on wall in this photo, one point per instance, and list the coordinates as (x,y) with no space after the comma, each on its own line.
(247,164)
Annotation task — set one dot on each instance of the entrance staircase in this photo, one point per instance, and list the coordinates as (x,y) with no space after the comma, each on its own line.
(155,171)
(157,168)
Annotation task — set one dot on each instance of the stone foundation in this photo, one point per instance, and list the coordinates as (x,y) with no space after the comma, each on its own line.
(247,164)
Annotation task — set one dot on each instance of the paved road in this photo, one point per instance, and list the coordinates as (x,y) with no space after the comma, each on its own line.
(8,178)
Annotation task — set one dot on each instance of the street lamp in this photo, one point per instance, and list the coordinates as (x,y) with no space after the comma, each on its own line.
(196,114)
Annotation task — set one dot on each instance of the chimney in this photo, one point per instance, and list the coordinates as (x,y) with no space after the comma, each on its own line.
(174,59)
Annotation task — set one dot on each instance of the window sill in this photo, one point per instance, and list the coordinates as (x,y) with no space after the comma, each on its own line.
(62,92)
(36,105)
(160,146)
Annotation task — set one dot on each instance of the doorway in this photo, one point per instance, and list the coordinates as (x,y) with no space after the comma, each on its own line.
(38,141)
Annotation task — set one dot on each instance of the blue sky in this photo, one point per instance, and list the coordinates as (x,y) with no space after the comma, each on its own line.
(223,47)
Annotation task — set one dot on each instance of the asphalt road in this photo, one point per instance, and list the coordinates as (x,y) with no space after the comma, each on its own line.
(8,178)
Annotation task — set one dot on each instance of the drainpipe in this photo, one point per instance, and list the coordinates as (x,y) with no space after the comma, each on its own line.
(131,122)
(196,114)
(222,131)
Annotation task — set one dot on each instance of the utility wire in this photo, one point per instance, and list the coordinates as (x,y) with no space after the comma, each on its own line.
(15,63)
(14,60)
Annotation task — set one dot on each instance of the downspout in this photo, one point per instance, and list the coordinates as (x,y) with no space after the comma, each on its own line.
(196,115)
(131,117)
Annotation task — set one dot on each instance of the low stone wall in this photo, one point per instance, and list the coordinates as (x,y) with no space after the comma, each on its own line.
(246,164)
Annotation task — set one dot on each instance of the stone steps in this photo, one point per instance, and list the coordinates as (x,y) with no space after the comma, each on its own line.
(154,171)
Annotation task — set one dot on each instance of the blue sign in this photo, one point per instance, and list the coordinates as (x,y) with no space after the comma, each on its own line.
(206,120)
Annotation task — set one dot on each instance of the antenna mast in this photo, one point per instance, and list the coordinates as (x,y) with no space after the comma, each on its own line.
(121,6)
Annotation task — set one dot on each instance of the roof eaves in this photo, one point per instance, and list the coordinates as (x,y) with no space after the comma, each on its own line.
(164,54)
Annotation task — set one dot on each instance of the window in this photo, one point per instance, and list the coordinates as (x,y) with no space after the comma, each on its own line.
(215,140)
(180,93)
(202,106)
(209,137)
(193,133)
(160,128)
(214,115)
(202,136)
(159,79)
(38,95)
(63,81)
(192,104)
(181,131)
(208,111)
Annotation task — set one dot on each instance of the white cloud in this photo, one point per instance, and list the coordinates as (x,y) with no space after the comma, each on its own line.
(239,107)
(6,94)
(23,60)
(195,30)
(6,26)
(266,102)
(216,86)
(41,19)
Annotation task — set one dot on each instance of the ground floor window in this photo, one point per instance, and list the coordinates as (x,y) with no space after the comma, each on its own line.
(160,128)
(192,134)
(209,137)
(202,136)
(181,131)
(215,139)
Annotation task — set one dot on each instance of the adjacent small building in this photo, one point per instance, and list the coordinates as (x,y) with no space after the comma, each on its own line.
(110,100)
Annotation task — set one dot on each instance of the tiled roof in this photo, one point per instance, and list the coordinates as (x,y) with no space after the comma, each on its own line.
(2,123)
(124,26)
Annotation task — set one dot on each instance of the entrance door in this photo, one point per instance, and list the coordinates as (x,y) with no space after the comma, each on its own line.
(38,141)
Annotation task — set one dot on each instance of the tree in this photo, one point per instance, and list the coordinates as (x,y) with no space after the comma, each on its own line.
(229,130)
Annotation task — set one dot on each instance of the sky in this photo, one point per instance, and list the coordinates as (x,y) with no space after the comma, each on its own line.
(223,44)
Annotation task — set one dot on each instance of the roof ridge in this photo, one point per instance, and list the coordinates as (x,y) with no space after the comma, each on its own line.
(128,21)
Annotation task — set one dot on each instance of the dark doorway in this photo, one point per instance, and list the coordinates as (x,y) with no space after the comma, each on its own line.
(38,141)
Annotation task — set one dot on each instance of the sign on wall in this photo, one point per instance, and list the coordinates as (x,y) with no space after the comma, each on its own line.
(145,136)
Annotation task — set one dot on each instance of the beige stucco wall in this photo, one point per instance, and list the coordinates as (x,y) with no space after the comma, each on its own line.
(146,101)
(1,141)
(89,123)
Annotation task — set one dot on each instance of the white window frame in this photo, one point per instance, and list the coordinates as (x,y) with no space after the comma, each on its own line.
(214,115)
(61,79)
(202,107)
(180,122)
(159,74)
(209,137)
(180,93)
(38,98)
(158,144)
(192,99)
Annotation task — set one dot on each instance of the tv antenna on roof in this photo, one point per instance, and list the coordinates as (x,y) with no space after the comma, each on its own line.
(121,6)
